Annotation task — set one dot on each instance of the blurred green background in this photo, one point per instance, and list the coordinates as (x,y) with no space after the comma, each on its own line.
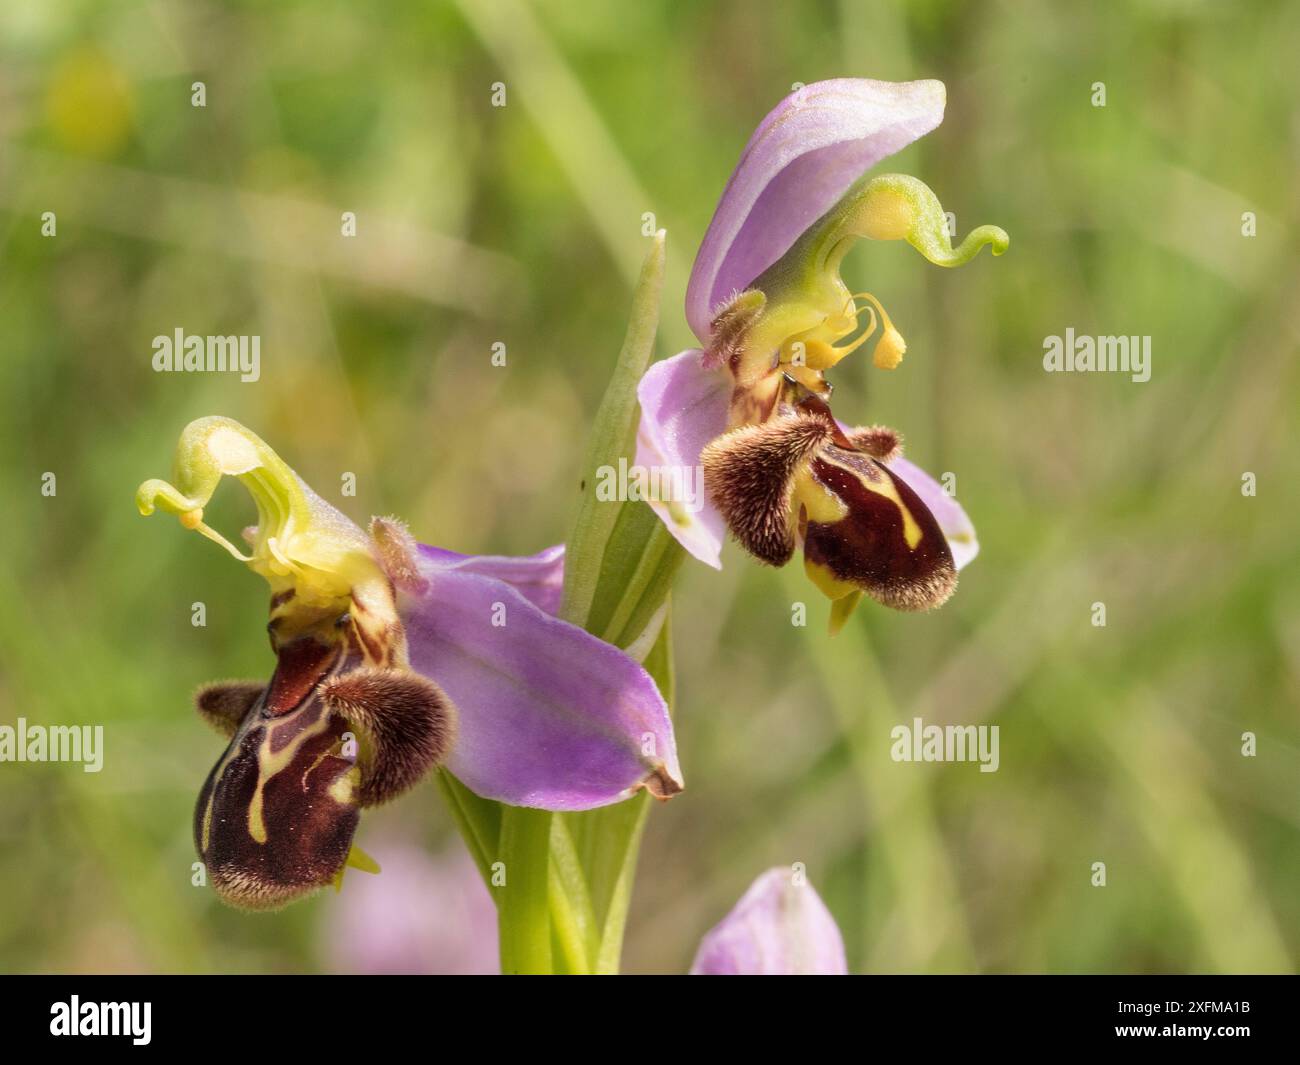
(522,224)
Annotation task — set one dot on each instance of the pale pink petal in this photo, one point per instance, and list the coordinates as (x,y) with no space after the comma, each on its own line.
(683,408)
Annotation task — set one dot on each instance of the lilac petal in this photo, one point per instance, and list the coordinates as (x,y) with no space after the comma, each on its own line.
(550,716)
(798,164)
(952,519)
(539,577)
(684,407)
(778,928)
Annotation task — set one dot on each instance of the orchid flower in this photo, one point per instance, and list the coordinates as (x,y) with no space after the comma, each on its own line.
(393,658)
(750,407)
(780,927)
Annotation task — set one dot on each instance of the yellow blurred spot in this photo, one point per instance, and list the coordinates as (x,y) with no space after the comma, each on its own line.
(88,103)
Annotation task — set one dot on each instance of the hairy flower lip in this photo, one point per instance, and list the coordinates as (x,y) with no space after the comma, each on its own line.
(673,434)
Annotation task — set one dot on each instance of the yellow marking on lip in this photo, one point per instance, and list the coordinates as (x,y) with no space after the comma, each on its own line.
(206,834)
(268,764)
(341,791)
(912,532)
(256,821)
(826,582)
(344,795)
(232,752)
(823,505)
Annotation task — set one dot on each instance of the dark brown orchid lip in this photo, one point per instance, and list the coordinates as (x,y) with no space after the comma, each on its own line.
(862,528)
(276,816)
(889,544)
(302,665)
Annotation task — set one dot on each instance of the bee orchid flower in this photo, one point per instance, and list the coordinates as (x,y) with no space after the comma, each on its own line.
(393,658)
(751,406)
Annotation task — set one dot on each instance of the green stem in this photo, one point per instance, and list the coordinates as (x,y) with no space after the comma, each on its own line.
(523,901)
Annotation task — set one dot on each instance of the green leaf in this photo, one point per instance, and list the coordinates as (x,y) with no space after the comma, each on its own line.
(613,436)
(573,921)
(637,572)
